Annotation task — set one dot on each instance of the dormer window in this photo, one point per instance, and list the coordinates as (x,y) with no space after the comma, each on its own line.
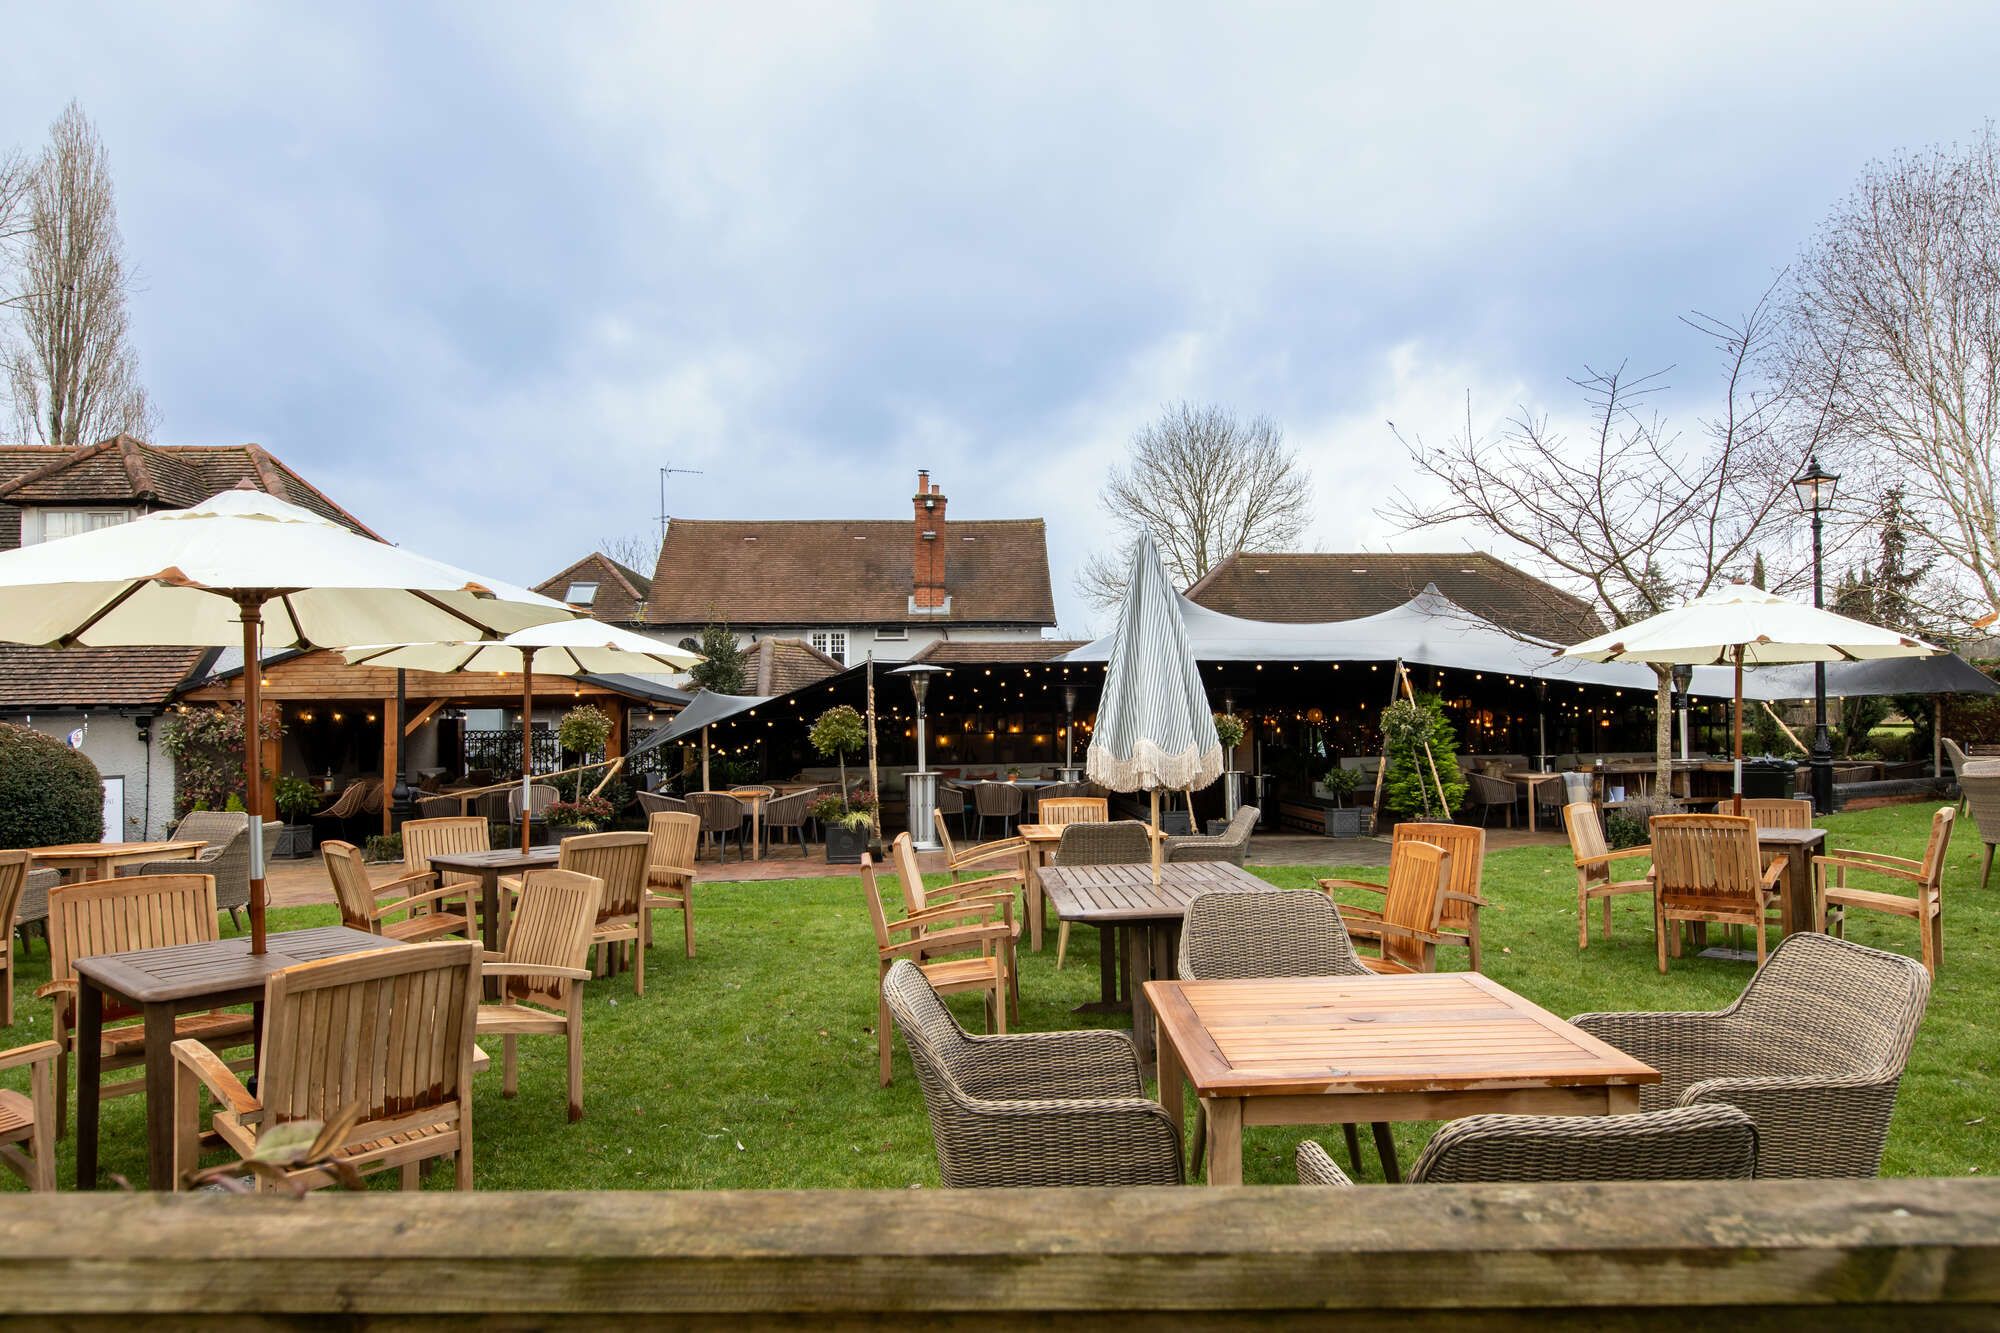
(47,525)
(581,594)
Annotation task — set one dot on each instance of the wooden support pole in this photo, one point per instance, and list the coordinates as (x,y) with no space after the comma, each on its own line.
(392,760)
(250,610)
(423,715)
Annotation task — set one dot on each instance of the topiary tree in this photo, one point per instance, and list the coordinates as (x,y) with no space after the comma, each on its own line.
(584,730)
(1408,788)
(721,670)
(837,733)
(49,793)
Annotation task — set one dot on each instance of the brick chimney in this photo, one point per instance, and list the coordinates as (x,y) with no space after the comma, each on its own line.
(927,556)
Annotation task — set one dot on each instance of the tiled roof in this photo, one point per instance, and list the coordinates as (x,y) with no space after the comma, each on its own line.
(779,666)
(122,470)
(621,589)
(948,653)
(65,678)
(846,572)
(1299,587)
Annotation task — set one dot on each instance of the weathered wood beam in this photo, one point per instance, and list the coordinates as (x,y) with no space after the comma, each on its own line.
(1827,1253)
(424,715)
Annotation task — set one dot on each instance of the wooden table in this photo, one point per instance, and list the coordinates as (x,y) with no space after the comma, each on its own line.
(1348,1050)
(1798,846)
(1529,782)
(100,860)
(163,984)
(488,867)
(755,800)
(1147,916)
(1042,840)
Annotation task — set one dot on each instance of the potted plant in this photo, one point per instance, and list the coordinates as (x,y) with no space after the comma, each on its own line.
(585,814)
(296,799)
(1230,731)
(1339,784)
(848,823)
(584,731)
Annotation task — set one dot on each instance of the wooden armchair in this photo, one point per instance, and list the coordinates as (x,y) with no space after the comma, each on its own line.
(1709,868)
(1406,927)
(619,861)
(408,1071)
(981,858)
(115,916)
(542,971)
(1458,918)
(979,924)
(1925,906)
(447,835)
(1778,812)
(997,890)
(13,884)
(30,1119)
(1594,860)
(365,906)
(1063,810)
(675,836)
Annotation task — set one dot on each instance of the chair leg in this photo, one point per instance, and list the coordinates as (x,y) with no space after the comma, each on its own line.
(999,994)
(1582,919)
(687,919)
(62,1085)
(1986,866)
(1472,939)
(575,1053)
(1606,901)
(638,969)
(882,1031)
(509,1062)
(410,1176)
(1660,928)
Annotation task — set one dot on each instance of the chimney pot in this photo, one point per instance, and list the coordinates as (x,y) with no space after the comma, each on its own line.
(927,563)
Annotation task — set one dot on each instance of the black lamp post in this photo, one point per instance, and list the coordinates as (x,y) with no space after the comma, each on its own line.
(1683,675)
(920,787)
(1815,489)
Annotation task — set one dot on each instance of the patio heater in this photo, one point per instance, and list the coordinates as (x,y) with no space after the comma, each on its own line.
(1070,771)
(920,787)
(1683,682)
(1815,489)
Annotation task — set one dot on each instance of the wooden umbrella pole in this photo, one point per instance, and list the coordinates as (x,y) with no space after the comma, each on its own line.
(704,759)
(527,740)
(1737,808)
(252,616)
(874,773)
(1155,835)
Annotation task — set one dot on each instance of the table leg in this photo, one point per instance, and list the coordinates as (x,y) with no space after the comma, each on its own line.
(160,1096)
(1138,971)
(1225,1140)
(1173,1090)
(1107,965)
(1031,880)
(489,922)
(88,1050)
(1533,793)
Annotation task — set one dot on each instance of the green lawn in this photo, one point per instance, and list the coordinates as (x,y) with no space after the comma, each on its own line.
(753,1065)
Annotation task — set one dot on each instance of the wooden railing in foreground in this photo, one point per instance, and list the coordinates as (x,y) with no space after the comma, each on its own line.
(1501,1256)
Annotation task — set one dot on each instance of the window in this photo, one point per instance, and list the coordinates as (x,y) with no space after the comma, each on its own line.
(56,523)
(581,594)
(832,642)
(893,633)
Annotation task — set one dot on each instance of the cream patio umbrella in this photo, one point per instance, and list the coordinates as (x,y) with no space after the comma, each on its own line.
(1154,727)
(245,567)
(559,648)
(1744,626)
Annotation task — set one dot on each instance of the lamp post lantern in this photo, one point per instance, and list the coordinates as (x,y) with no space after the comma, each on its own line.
(1815,491)
(920,787)
(1683,680)
(1069,733)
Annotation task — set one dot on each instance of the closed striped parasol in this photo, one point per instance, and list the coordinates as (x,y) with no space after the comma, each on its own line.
(1154,728)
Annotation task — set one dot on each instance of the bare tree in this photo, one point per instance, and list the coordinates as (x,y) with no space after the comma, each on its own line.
(1895,324)
(1206,484)
(635,550)
(71,371)
(16,173)
(1632,517)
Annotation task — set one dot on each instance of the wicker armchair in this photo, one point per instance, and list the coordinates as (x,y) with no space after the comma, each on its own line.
(787,814)
(1122,842)
(655,803)
(722,817)
(34,909)
(1033,1109)
(227,856)
(1231,845)
(437,807)
(1813,1049)
(1707,1142)
(1489,794)
(951,801)
(1958,759)
(996,800)
(1980,797)
(540,797)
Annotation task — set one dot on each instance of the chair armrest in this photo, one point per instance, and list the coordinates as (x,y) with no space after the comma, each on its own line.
(1317,1168)
(1883,858)
(958,890)
(989,851)
(1356,914)
(1849,861)
(1328,884)
(951,911)
(388,887)
(30,1054)
(404,904)
(1380,928)
(534,970)
(663,869)
(1623,853)
(964,937)
(1078,1141)
(1026,1066)
(1001,902)
(216,1076)
(1775,871)
(48,990)
(1451,895)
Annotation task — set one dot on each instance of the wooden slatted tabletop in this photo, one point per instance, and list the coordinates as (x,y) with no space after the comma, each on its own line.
(1124,895)
(1343,1050)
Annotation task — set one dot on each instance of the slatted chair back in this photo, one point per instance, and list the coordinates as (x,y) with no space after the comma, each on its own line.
(13,883)
(991,799)
(551,928)
(453,835)
(1779,812)
(119,915)
(672,836)
(1418,874)
(720,812)
(1065,810)
(1122,842)
(1934,850)
(903,856)
(389,1032)
(1707,863)
(351,889)
(1586,840)
(1707,1141)
(877,915)
(1467,847)
(619,860)
(1274,933)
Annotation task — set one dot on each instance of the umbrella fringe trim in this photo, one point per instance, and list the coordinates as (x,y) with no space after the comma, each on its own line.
(1149,766)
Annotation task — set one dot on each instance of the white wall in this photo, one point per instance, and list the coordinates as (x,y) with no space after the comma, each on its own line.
(112,743)
(862,640)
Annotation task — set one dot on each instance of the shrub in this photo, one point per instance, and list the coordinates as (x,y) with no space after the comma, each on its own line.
(1408,789)
(383,847)
(207,746)
(1630,824)
(1342,782)
(584,730)
(295,798)
(49,793)
(586,812)
(1229,730)
(721,669)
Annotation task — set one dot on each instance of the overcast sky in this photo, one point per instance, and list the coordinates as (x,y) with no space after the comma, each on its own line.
(479,270)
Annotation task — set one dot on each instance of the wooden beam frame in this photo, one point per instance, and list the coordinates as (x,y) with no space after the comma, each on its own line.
(1829,1253)
(424,715)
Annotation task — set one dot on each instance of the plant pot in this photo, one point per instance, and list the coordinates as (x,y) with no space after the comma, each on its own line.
(1343,821)
(294,841)
(845,845)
